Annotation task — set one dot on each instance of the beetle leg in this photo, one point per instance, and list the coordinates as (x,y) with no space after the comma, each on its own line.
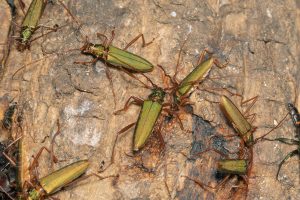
(180,122)
(202,54)
(22,6)
(108,74)
(284,140)
(252,100)
(26,185)
(100,35)
(136,38)
(34,163)
(211,101)
(53,140)
(160,137)
(136,100)
(70,13)
(111,38)
(52,29)
(289,155)
(205,187)
(144,84)
(107,41)
(166,75)
(87,62)
(245,178)
(213,91)
(166,105)
(126,128)
(174,78)
(176,115)
(253,116)
(244,189)
(102,177)
(220,65)
(185,101)
(167,188)
(112,160)
(143,168)
(87,176)
(278,125)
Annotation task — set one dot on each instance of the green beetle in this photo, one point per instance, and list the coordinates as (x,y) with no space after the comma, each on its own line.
(233,166)
(238,121)
(180,90)
(118,57)
(149,114)
(196,76)
(56,180)
(30,22)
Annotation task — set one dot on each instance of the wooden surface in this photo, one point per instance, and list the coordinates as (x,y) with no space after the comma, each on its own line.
(260,39)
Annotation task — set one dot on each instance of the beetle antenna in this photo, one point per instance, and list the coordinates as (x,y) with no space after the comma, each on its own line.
(136,78)
(148,79)
(179,55)
(69,12)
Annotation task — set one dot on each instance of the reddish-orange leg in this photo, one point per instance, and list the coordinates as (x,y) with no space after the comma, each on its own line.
(35,164)
(144,44)
(136,100)
(216,188)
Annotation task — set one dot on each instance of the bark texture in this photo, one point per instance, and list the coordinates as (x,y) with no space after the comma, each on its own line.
(260,39)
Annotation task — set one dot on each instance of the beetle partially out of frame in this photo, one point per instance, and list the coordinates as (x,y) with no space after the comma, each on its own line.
(294,113)
(243,165)
(41,188)
(53,182)
(30,22)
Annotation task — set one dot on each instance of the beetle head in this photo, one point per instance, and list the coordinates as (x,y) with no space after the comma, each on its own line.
(158,95)
(86,47)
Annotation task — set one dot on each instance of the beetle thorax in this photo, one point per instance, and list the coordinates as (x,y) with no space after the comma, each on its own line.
(25,35)
(37,193)
(96,50)
(157,95)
